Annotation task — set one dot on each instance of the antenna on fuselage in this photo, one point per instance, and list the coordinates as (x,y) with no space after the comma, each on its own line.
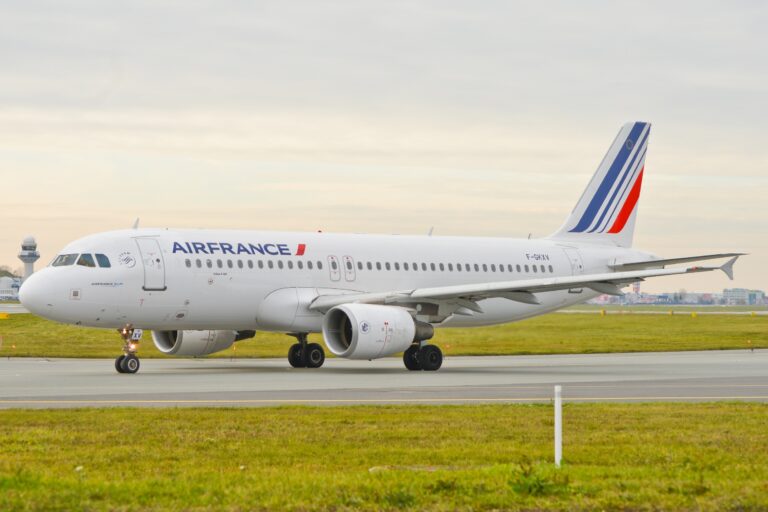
(136,223)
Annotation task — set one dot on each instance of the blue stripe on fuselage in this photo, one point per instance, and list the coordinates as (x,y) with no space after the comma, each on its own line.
(610,178)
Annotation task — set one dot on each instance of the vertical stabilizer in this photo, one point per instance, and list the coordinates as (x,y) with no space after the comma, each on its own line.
(606,212)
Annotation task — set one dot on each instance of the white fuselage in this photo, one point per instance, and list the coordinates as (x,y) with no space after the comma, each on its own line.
(261,280)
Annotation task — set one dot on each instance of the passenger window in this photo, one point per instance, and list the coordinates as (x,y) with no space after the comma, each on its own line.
(378,265)
(534,268)
(309,265)
(290,265)
(250,263)
(271,264)
(86,260)
(187,262)
(415,266)
(359,265)
(509,267)
(219,264)
(526,268)
(442,267)
(230,264)
(300,264)
(209,263)
(424,266)
(198,263)
(477,267)
(397,266)
(501,268)
(261,264)
(104,261)
(458,267)
(64,260)
(542,268)
(467,267)
(319,265)
(280,264)
(485,267)
(450,267)
(518,268)
(349,265)
(405,266)
(386,265)
(493,267)
(551,270)
(239,263)
(369,265)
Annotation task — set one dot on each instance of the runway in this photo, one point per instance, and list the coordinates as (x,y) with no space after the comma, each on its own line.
(670,376)
(12,308)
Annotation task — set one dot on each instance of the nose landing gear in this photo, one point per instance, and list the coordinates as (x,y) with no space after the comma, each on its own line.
(128,362)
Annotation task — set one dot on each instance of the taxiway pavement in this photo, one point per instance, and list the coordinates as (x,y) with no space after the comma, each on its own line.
(664,376)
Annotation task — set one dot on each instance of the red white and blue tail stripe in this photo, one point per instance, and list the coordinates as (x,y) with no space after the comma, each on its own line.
(607,208)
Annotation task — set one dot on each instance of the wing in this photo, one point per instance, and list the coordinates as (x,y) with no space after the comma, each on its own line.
(463,298)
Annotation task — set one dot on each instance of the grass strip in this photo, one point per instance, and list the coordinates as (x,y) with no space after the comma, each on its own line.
(30,336)
(484,457)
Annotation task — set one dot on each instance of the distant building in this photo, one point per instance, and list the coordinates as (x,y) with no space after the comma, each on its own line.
(29,255)
(9,288)
(743,297)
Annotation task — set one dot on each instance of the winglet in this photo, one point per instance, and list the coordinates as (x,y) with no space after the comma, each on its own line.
(727,267)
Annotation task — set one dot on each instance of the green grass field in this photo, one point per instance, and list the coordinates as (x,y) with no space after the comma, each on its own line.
(27,335)
(490,457)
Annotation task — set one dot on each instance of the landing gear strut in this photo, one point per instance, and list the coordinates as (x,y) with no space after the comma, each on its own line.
(128,362)
(428,358)
(305,355)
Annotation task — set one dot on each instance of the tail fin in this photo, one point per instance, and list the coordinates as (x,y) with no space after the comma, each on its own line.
(606,212)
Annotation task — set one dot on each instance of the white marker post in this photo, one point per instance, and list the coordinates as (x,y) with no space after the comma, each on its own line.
(558,425)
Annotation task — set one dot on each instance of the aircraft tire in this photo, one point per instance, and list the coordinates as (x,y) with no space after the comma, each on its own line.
(411,358)
(119,363)
(130,364)
(294,356)
(430,358)
(315,355)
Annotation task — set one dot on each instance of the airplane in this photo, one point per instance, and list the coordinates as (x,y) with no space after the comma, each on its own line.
(371,296)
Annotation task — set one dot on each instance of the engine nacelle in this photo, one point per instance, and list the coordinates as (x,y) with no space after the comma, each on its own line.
(193,343)
(366,331)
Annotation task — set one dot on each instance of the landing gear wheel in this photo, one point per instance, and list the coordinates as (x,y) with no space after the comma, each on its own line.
(118,364)
(130,364)
(411,358)
(315,355)
(294,356)
(431,358)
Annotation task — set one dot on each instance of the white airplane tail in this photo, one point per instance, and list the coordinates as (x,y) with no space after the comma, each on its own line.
(606,212)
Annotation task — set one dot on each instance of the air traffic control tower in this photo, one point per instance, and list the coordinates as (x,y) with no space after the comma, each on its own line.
(29,255)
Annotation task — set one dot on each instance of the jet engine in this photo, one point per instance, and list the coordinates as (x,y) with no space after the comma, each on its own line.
(366,331)
(196,343)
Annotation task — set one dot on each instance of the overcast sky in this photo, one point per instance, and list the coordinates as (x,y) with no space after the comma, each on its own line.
(477,118)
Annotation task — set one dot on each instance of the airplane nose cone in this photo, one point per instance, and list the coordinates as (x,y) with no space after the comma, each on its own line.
(32,294)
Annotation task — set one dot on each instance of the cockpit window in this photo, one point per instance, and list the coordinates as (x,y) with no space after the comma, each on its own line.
(86,260)
(103,261)
(63,260)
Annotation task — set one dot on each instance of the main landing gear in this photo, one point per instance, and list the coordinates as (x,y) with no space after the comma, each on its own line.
(423,357)
(128,362)
(305,355)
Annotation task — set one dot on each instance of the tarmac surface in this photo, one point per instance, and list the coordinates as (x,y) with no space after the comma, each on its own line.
(666,376)
(12,308)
